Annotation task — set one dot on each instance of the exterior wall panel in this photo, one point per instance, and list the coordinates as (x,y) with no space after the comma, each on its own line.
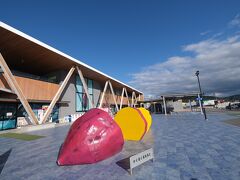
(33,89)
(68,95)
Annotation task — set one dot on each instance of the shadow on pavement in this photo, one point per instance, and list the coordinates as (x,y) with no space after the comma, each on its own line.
(3,159)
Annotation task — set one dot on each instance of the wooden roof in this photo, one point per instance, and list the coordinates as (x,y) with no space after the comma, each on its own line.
(27,54)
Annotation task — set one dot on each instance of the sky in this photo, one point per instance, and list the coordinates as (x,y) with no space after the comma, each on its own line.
(153,45)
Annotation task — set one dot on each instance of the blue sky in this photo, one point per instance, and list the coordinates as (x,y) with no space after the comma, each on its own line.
(126,38)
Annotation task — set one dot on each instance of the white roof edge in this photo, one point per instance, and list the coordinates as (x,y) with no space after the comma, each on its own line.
(60,53)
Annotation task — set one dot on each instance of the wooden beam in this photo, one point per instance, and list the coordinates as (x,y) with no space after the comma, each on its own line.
(113,94)
(133,99)
(15,87)
(84,86)
(103,94)
(136,99)
(57,95)
(7,90)
(124,91)
(127,97)
(122,98)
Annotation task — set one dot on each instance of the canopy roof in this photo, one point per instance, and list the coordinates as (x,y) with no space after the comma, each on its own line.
(27,54)
(171,96)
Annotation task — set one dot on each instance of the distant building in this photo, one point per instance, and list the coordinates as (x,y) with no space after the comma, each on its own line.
(209,102)
(170,103)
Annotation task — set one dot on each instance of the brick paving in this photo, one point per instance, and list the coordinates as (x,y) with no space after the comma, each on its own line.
(185,147)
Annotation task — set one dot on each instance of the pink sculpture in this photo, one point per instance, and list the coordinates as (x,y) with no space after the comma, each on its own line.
(93,137)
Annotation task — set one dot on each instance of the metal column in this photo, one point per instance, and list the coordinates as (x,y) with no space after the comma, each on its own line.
(200,103)
(164,104)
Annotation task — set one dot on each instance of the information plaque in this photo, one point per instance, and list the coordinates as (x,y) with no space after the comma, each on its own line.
(141,158)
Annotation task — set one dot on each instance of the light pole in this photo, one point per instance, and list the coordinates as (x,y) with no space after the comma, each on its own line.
(200,96)
(199,85)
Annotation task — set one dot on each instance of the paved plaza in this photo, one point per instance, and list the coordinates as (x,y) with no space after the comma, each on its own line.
(185,147)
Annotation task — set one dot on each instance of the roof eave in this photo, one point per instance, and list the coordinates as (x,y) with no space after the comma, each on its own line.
(3,25)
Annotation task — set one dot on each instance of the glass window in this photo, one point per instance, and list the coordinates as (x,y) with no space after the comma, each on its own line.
(90,86)
(82,102)
(79,101)
(79,87)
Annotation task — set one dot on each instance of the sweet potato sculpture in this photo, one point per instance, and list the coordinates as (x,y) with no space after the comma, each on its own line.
(93,137)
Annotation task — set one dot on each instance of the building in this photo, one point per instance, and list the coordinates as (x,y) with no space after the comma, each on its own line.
(39,83)
(173,102)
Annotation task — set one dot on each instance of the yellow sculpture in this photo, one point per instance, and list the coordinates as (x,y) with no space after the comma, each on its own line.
(147,116)
(133,122)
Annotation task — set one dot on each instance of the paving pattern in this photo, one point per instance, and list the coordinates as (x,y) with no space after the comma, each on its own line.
(185,147)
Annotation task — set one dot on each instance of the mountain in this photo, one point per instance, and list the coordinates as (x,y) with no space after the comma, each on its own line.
(232,98)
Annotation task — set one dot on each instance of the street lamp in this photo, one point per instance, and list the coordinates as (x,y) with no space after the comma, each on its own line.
(199,85)
(200,96)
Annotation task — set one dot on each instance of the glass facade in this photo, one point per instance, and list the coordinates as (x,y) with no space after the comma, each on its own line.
(82,102)
(39,109)
(9,112)
(8,116)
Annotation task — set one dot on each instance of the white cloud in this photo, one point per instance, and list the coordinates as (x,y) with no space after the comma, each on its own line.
(217,34)
(217,60)
(235,22)
(205,33)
